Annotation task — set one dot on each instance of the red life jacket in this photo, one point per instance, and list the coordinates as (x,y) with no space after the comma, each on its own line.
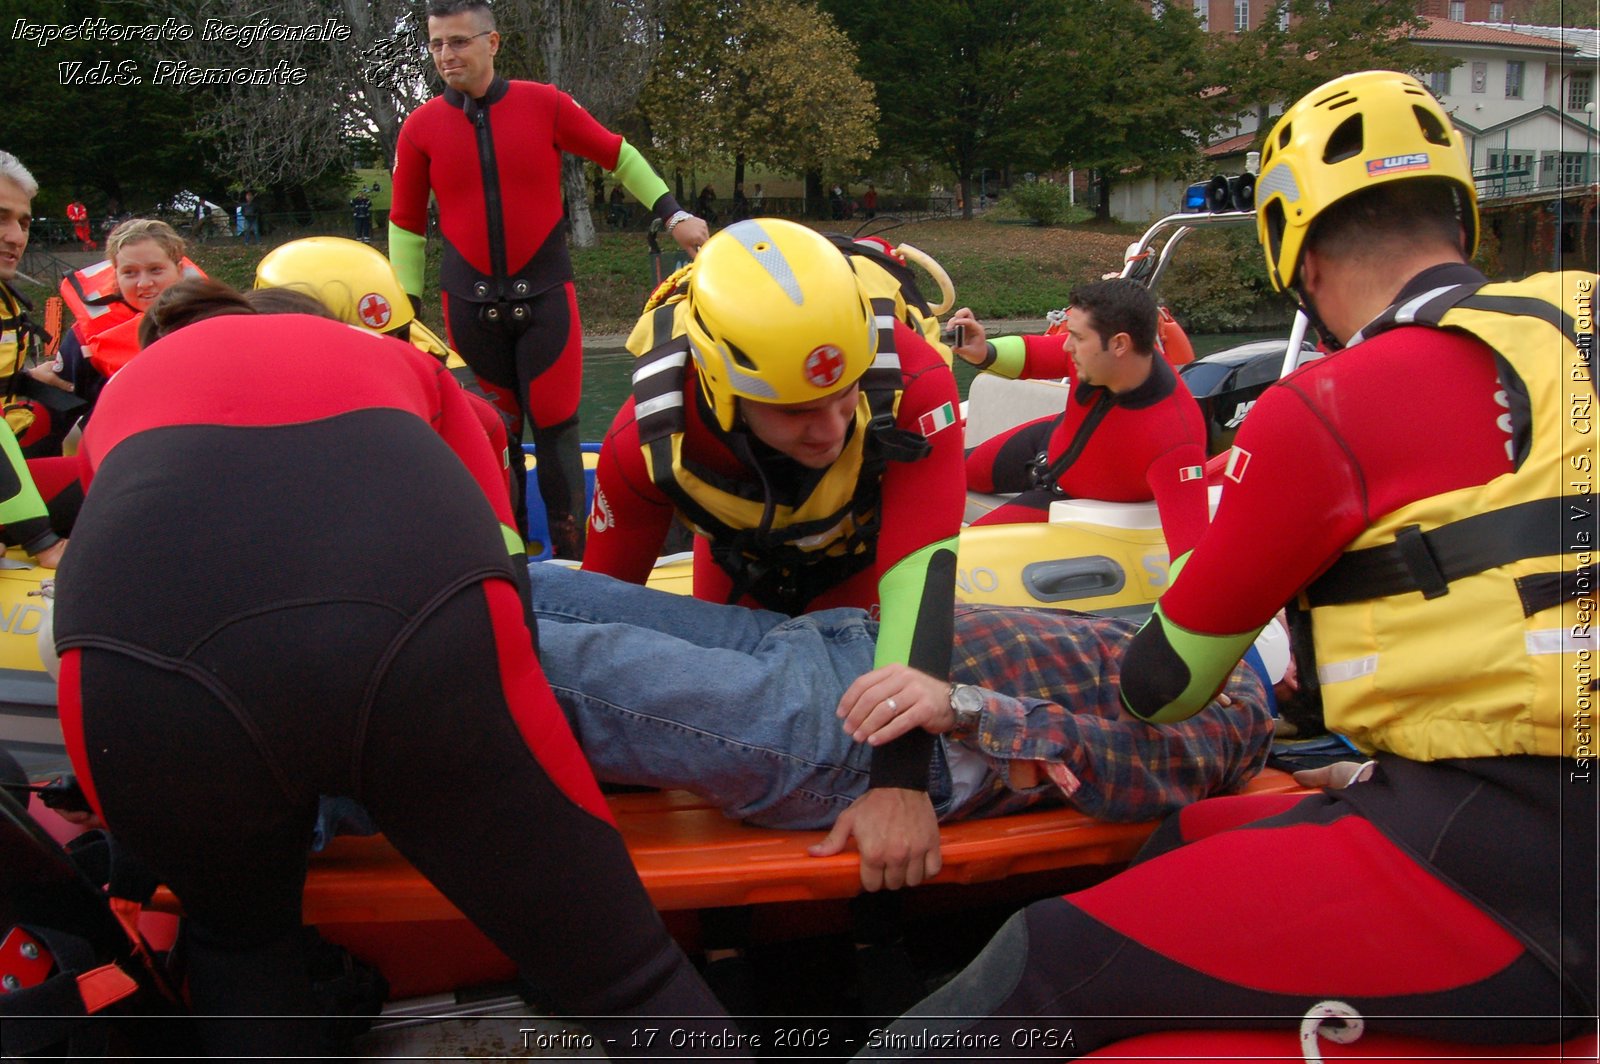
(106,324)
(112,348)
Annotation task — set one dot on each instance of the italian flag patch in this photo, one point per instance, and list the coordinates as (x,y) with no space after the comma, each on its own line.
(937,420)
(1190,472)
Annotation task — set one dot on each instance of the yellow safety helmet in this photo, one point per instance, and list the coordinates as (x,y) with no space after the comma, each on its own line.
(1354,133)
(774,313)
(351,279)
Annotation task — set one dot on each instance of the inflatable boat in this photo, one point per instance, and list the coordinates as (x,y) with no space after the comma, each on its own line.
(1095,556)
(361,894)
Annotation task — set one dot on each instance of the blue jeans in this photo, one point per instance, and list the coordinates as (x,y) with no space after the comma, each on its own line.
(736,705)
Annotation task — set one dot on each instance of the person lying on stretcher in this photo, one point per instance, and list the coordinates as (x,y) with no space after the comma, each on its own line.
(774,719)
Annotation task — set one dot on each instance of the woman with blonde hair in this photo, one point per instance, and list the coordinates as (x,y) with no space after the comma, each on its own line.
(144,257)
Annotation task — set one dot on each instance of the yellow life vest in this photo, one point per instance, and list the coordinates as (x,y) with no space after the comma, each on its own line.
(18,335)
(20,339)
(783,552)
(1461,625)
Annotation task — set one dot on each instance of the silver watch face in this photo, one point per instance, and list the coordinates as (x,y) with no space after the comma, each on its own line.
(967,702)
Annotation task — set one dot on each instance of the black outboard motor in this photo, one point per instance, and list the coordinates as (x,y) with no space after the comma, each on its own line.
(1228,383)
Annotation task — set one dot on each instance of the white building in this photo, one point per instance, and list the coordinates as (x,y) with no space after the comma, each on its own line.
(1524,96)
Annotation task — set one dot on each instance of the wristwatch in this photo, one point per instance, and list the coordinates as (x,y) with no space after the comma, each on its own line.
(679,216)
(966,702)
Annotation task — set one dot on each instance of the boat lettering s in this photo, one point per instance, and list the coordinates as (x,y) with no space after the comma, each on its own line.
(1156,564)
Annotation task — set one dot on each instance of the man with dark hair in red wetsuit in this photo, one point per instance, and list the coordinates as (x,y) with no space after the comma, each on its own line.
(489,150)
(1130,432)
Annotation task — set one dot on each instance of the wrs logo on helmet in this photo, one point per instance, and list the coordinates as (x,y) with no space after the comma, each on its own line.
(824,366)
(1394,164)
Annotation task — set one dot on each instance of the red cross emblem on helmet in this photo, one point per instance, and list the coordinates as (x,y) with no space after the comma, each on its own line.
(824,366)
(375,311)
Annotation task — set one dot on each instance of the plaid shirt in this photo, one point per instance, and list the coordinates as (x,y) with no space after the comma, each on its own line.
(1059,671)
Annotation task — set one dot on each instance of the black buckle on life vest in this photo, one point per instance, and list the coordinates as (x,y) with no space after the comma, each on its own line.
(1428,561)
(1420,562)
(897,444)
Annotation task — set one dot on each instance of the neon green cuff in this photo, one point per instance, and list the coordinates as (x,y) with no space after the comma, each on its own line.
(514,543)
(905,593)
(25,502)
(1207,660)
(408,252)
(638,176)
(1010,356)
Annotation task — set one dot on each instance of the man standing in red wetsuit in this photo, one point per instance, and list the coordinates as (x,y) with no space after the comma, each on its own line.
(1130,431)
(1426,494)
(78,215)
(489,150)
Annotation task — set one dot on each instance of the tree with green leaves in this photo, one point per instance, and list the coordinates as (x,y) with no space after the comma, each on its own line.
(952,78)
(1269,67)
(117,143)
(764,81)
(1562,13)
(1134,97)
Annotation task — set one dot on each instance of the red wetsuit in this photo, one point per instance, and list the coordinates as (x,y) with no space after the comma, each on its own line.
(494,165)
(1462,890)
(286,586)
(1145,444)
(78,215)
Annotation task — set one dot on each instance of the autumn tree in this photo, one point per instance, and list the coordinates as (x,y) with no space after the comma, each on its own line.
(299,131)
(764,81)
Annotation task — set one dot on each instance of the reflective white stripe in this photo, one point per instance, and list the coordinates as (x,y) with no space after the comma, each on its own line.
(658,404)
(673,361)
(1407,311)
(885,321)
(886,360)
(759,243)
(1558,641)
(1405,314)
(1355,668)
(1278,179)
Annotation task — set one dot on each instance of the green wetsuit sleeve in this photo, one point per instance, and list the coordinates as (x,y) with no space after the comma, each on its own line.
(640,178)
(408,252)
(1171,673)
(22,508)
(1010,355)
(917,608)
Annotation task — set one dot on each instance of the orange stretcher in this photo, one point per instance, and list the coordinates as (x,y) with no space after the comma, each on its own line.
(365,896)
(690,856)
